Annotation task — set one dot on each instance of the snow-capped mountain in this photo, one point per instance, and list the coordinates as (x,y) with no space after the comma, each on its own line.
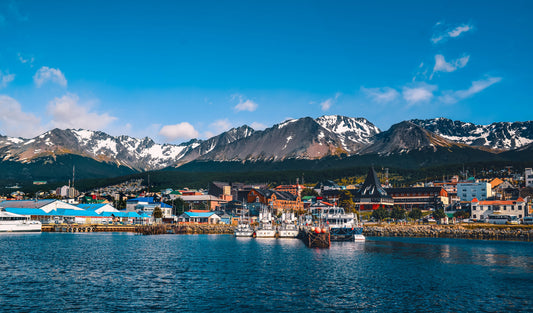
(500,135)
(304,138)
(139,154)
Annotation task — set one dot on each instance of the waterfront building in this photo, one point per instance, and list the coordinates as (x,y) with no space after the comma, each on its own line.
(46,205)
(200,217)
(528,177)
(98,207)
(467,191)
(372,195)
(220,190)
(481,209)
(207,202)
(278,201)
(424,198)
(147,205)
(294,189)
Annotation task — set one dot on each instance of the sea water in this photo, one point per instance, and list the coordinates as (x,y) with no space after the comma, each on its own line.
(116,272)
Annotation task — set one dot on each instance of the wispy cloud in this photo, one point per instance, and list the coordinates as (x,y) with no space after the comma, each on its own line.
(441,35)
(243,103)
(326,104)
(476,87)
(15,122)
(183,131)
(418,94)
(23,60)
(67,112)
(381,95)
(442,66)
(45,74)
(5,78)
(220,126)
(258,126)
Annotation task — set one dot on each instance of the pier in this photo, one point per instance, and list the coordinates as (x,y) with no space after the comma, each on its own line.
(314,239)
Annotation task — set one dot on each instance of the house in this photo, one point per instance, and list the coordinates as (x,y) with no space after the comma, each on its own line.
(482,208)
(147,205)
(528,177)
(326,185)
(279,201)
(200,217)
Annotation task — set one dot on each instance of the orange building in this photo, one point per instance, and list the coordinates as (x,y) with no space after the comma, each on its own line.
(279,201)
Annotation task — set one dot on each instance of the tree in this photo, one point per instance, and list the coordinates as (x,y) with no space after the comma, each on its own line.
(461,214)
(157,212)
(309,192)
(438,214)
(178,206)
(380,213)
(346,201)
(397,213)
(415,214)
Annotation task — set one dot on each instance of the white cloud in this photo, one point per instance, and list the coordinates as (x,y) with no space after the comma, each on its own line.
(420,93)
(442,66)
(476,87)
(45,74)
(5,79)
(326,104)
(15,122)
(381,95)
(24,61)
(258,126)
(450,32)
(220,126)
(66,112)
(183,131)
(244,104)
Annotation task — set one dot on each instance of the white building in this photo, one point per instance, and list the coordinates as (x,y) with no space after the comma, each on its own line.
(482,209)
(528,177)
(470,191)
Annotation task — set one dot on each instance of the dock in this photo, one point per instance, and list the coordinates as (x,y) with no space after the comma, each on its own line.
(313,239)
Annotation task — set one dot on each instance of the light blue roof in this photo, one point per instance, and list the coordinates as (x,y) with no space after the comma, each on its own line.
(142,199)
(26,211)
(70,212)
(90,206)
(199,214)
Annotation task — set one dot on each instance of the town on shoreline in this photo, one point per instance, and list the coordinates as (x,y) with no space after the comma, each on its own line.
(470,205)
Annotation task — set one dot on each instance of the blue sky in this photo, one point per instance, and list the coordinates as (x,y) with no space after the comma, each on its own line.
(174,70)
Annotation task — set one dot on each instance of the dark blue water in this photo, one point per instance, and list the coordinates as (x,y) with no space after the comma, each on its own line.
(102,272)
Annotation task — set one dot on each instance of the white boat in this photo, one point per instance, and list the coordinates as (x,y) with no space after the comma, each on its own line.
(288,227)
(11,222)
(243,227)
(342,226)
(265,228)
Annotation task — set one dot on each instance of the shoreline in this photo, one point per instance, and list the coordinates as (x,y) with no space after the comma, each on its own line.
(459,231)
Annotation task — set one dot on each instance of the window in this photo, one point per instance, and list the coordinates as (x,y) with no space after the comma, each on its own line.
(519,208)
(474,216)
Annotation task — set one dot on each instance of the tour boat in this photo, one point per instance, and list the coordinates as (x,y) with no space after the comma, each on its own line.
(265,228)
(288,227)
(10,222)
(342,226)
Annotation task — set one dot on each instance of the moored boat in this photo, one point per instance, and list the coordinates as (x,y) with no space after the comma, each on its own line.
(342,226)
(265,228)
(288,227)
(11,222)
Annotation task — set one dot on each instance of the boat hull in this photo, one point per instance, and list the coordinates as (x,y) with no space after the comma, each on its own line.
(288,233)
(265,233)
(21,227)
(346,234)
(244,233)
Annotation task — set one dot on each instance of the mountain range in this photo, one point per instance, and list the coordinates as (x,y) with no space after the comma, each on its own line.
(295,139)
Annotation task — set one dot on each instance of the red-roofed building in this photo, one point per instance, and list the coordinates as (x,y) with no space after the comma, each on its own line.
(482,209)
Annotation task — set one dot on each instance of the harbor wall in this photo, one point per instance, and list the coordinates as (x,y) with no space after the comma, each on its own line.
(491,232)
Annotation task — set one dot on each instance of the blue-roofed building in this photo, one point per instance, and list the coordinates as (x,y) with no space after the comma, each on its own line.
(97,207)
(46,205)
(200,217)
(147,205)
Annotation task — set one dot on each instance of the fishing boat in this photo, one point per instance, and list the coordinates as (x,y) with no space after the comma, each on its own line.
(265,229)
(288,227)
(11,222)
(342,226)
(243,227)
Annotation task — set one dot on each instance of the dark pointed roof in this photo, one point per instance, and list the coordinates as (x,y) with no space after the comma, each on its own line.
(372,187)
